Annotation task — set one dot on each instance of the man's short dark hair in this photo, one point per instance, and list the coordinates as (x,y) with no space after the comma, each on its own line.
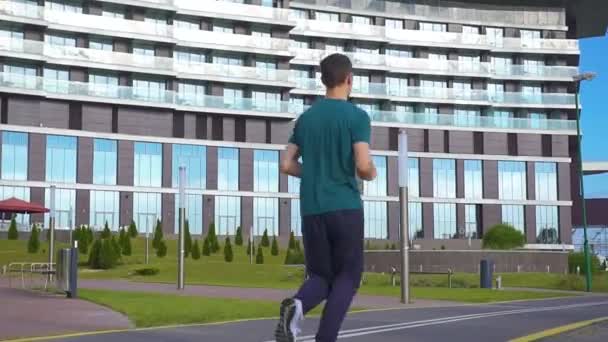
(335,69)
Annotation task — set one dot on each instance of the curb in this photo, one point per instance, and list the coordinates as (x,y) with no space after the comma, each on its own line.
(559,330)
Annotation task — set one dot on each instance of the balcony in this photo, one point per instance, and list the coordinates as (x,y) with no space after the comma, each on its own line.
(22,84)
(430,38)
(240,74)
(534,72)
(487,122)
(322,28)
(232,42)
(110,26)
(360,60)
(158,4)
(234,11)
(435,67)
(567,46)
(446,95)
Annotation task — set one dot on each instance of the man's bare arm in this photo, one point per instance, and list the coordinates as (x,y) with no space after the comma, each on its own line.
(366,169)
(290,164)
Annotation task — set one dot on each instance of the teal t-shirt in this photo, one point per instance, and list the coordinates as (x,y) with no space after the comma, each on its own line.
(325,135)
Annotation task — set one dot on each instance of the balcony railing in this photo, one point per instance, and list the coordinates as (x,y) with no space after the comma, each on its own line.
(348,29)
(472,121)
(272,45)
(243,11)
(233,71)
(167,98)
(447,94)
(19,9)
(539,44)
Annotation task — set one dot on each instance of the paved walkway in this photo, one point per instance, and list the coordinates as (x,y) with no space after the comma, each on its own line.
(26,313)
(594,333)
(361,301)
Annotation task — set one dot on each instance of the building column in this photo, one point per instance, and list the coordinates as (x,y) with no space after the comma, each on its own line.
(83,207)
(246,215)
(284,220)
(530,223)
(126,208)
(208,212)
(168,213)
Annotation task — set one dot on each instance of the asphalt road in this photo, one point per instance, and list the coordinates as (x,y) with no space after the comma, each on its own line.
(497,322)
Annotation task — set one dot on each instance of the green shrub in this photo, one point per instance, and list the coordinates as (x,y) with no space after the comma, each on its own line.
(76,234)
(13,234)
(161,251)
(503,236)
(259,257)
(147,271)
(228,255)
(187,239)
(294,257)
(116,249)
(238,239)
(196,251)
(394,247)
(274,250)
(83,241)
(206,247)
(292,241)
(94,261)
(297,248)
(121,237)
(33,244)
(126,247)
(578,259)
(107,255)
(158,235)
(265,241)
(214,244)
(106,233)
(132,230)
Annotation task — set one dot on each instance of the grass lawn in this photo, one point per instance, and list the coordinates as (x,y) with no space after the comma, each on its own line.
(16,251)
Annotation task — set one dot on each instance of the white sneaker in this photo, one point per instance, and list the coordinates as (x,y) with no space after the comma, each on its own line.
(290,316)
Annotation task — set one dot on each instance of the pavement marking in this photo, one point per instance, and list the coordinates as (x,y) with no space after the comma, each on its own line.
(558,330)
(408,325)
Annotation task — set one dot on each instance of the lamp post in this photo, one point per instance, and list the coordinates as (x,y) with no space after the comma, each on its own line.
(403,206)
(51,230)
(182,217)
(587,76)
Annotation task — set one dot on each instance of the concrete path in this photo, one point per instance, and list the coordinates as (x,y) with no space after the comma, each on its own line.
(466,323)
(596,332)
(361,301)
(26,313)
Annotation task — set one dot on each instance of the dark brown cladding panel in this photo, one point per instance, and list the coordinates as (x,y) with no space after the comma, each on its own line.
(531,180)
(560,145)
(436,141)
(529,144)
(97,117)
(190,125)
(37,157)
(284,217)
(246,169)
(126,208)
(380,138)
(280,131)
(393,176)
(565,224)
(37,196)
(158,122)
(283,178)
(228,129)
(208,212)
(495,143)
(246,213)
(125,162)
(255,130)
(393,220)
(83,206)
(428,223)
(415,140)
(168,213)
(167,172)
(564,189)
(461,142)
(426,177)
(491,214)
(490,179)
(85,160)
(530,223)
(211,167)
(460,178)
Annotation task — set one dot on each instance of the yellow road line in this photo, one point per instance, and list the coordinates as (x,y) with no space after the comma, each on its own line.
(559,330)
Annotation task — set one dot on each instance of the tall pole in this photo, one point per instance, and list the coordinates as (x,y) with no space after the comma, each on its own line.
(70,226)
(51,230)
(582,190)
(403,201)
(147,239)
(182,215)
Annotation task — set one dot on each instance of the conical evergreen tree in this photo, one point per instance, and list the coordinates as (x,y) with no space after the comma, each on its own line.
(158,235)
(265,241)
(274,250)
(259,257)
(292,240)
(238,239)
(132,230)
(206,247)
(13,234)
(196,251)
(187,239)
(106,233)
(33,244)
(228,256)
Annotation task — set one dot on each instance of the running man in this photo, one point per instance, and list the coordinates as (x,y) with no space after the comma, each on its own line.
(332,137)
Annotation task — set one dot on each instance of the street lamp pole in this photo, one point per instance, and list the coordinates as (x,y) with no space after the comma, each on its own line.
(403,201)
(51,230)
(588,76)
(182,218)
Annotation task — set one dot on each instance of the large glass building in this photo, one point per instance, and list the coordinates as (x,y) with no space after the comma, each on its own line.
(106,99)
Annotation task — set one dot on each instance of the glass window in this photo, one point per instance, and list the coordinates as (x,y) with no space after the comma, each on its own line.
(436,27)
(262,33)
(113,11)
(326,16)
(56,80)
(335,46)
(265,216)
(466,117)
(266,101)
(546,181)
(103,84)
(60,40)
(187,24)
(444,217)
(14,155)
(512,180)
(71,6)
(495,36)
(532,92)
(194,214)
(394,24)
(470,221)
(369,107)
(501,64)
(227,60)
(228,169)
(396,86)
(473,179)
(223,29)
(367,50)
(377,187)
(191,93)
(293,185)
(444,178)
(104,161)
(19,76)
(413,176)
(156,18)
(11,33)
(190,57)
(501,118)
(193,157)
(148,89)
(296,14)
(23,220)
(361,83)
(143,49)
(265,64)
(495,89)
(146,211)
(267,3)
(376,226)
(104,44)
(299,44)
(415,220)
(470,29)
(148,164)
(547,225)
(233,96)
(434,56)
(530,38)
(296,219)
(227,215)
(265,171)
(296,104)
(104,208)
(61,159)
(65,204)
(360,20)
(533,66)
(538,120)
(401,53)
(514,216)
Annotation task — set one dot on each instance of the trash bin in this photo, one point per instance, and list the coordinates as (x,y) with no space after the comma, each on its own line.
(486,274)
(67,271)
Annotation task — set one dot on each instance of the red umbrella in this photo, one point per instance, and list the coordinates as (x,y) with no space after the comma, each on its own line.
(16,206)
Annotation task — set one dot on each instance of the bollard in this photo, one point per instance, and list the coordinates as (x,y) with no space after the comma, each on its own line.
(393,276)
(420,268)
(518,268)
(450,278)
(548,268)
(499,283)
(578,270)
